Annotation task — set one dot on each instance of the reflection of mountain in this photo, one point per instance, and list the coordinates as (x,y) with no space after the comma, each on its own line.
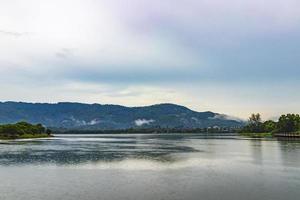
(96,116)
(142,150)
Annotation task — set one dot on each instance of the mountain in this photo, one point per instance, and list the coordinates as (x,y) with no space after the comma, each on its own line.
(96,116)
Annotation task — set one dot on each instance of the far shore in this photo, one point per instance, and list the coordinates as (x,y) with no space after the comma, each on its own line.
(257,135)
(270,135)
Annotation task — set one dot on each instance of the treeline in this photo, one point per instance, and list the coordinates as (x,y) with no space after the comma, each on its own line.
(149,130)
(21,129)
(289,123)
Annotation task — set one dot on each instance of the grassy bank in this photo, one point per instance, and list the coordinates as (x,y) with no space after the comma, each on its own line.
(24,136)
(257,135)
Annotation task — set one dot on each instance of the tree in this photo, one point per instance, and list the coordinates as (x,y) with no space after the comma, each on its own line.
(40,128)
(289,123)
(48,132)
(255,119)
(269,126)
(254,124)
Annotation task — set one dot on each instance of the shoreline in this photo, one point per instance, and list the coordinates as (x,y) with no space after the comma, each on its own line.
(25,136)
(270,135)
(257,135)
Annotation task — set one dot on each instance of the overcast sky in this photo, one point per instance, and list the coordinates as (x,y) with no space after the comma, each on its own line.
(227,56)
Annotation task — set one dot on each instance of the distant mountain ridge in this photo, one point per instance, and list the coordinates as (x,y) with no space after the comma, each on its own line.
(97,116)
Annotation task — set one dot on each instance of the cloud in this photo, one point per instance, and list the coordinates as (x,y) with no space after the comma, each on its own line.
(13,33)
(141,122)
(64,53)
(94,122)
(153,41)
(82,122)
(227,117)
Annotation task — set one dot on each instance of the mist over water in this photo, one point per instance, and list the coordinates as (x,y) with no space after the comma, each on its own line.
(149,166)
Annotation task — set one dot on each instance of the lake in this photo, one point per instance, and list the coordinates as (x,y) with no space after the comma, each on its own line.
(149,166)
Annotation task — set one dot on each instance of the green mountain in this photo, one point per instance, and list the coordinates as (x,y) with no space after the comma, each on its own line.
(97,116)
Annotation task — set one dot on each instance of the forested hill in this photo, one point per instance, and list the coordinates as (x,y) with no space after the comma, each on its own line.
(97,116)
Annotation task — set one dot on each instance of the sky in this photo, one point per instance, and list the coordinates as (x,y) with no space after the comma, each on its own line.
(227,56)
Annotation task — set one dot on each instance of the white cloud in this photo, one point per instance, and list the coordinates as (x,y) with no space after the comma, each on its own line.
(227,117)
(94,122)
(141,122)
(82,122)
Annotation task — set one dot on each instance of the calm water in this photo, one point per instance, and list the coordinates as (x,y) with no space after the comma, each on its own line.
(142,167)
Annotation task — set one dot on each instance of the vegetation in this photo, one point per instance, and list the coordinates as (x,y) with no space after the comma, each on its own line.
(149,130)
(23,130)
(289,123)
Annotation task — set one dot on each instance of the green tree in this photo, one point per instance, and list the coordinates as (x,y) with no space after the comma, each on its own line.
(269,126)
(289,123)
(48,132)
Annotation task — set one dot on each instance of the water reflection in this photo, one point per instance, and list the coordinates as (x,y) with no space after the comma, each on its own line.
(290,152)
(257,152)
(81,149)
